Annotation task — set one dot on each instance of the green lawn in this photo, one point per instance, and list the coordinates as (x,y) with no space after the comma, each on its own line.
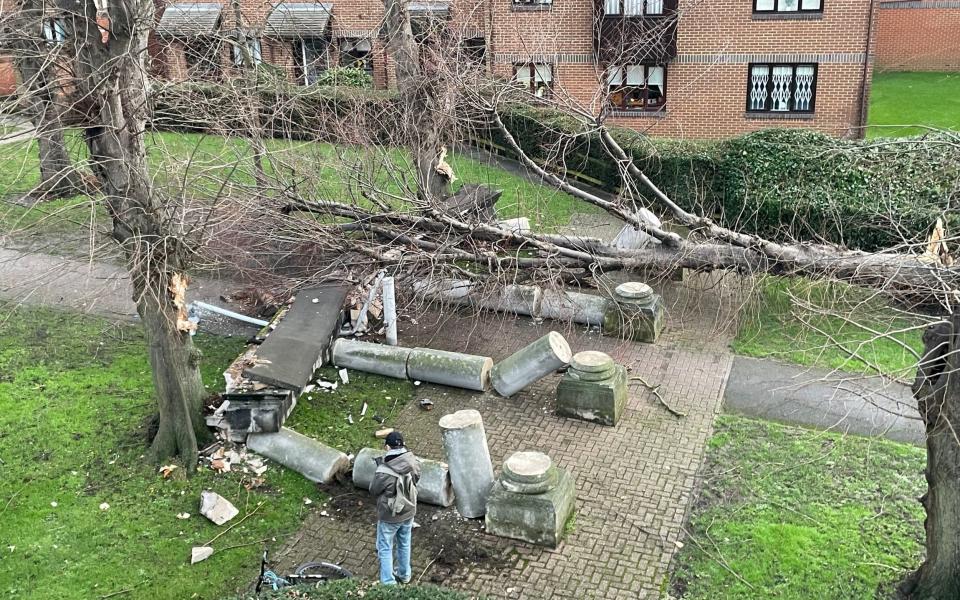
(74,394)
(852,332)
(795,514)
(202,164)
(901,99)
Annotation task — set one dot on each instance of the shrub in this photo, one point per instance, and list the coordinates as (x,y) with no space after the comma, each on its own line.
(355,588)
(345,77)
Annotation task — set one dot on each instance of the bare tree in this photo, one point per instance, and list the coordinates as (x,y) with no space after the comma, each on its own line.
(111,78)
(36,41)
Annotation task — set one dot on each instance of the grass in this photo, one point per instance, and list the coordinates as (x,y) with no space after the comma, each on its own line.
(900,101)
(323,415)
(74,394)
(782,323)
(200,164)
(791,513)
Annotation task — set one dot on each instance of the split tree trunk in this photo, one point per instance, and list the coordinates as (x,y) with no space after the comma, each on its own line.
(113,77)
(937,389)
(35,60)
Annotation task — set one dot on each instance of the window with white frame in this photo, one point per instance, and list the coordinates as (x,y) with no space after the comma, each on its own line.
(54,30)
(632,8)
(253,47)
(531,2)
(782,88)
(536,77)
(637,87)
(787,6)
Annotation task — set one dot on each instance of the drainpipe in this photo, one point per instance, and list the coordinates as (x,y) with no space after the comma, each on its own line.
(864,94)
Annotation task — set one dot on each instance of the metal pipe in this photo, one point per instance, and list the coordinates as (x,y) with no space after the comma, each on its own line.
(231,314)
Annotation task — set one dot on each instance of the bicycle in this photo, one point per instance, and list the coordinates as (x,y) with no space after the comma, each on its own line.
(317,573)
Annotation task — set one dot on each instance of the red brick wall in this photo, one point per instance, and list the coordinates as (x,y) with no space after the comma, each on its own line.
(918,36)
(8,76)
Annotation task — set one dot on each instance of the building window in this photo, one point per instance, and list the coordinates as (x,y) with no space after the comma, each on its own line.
(782,88)
(357,53)
(54,30)
(637,87)
(537,78)
(253,47)
(474,50)
(633,8)
(787,6)
(531,2)
(202,55)
(310,57)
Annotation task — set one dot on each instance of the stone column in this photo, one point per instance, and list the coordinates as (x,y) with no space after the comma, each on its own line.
(636,313)
(530,364)
(531,501)
(390,361)
(593,389)
(450,368)
(471,472)
(573,306)
(390,311)
(315,461)
(434,486)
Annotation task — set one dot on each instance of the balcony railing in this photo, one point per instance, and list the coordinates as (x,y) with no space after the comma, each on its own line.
(636,31)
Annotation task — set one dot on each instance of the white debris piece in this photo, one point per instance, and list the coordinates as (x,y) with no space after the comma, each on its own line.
(104,506)
(363,410)
(183,515)
(200,553)
(344,376)
(216,508)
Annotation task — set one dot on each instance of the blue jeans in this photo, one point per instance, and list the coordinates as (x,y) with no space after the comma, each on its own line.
(386,533)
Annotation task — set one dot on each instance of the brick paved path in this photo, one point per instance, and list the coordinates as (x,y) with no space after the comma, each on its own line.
(634,482)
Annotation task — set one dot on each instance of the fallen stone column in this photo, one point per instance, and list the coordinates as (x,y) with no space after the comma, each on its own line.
(454,291)
(514,298)
(434,486)
(450,368)
(315,461)
(530,364)
(390,361)
(471,472)
(573,306)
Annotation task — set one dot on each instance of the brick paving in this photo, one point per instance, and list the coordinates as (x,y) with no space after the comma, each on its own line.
(634,481)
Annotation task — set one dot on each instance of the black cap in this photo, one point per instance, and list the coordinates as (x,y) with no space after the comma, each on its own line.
(395,439)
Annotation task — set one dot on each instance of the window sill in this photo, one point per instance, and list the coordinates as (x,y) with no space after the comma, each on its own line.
(788,16)
(531,7)
(779,116)
(639,114)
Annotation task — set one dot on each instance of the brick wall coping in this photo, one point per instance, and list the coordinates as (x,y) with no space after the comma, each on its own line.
(589,58)
(921,4)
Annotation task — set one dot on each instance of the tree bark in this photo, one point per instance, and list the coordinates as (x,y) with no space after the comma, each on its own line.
(937,389)
(424,100)
(114,78)
(36,60)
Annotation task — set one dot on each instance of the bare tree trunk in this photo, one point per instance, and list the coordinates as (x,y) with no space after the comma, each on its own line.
(36,63)
(114,78)
(252,92)
(424,101)
(937,389)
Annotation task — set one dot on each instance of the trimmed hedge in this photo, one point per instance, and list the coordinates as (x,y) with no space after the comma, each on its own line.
(356,588)
(785,184)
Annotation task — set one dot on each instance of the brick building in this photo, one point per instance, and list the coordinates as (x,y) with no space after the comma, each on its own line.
(918,35)
(680,68)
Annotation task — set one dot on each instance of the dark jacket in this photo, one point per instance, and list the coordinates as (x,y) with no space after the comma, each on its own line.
(384,485)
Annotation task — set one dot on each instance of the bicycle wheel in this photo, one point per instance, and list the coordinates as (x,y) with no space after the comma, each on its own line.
(320,572)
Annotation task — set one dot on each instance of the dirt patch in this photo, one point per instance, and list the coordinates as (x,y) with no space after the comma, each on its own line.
(454,544)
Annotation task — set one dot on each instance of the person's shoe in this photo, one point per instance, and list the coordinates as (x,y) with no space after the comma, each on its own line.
(401,579)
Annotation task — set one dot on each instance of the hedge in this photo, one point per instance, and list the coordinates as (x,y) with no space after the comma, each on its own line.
(786,184)
(356,588)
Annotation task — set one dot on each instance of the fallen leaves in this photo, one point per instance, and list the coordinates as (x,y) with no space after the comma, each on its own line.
(167,470)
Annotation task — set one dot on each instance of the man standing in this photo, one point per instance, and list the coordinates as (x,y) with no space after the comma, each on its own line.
(394,485)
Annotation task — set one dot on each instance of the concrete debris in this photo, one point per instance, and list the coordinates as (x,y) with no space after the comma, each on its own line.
(200,553)
(217,508)
(530,364)
(344,376)
(104,506)
(182,516)
(382,433)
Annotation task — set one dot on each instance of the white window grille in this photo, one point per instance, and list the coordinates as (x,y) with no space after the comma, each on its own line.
(54,30)
(782,88)
(253,47)
(787,6)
